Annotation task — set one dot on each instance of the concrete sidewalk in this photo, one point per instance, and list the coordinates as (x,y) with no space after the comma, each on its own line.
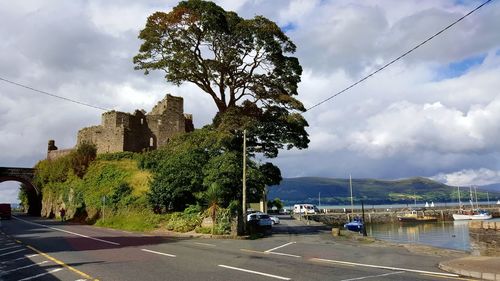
(486,268)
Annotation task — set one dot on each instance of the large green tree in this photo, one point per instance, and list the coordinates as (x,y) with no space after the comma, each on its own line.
(241,63)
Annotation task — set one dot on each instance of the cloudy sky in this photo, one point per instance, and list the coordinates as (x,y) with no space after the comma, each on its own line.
(436,113)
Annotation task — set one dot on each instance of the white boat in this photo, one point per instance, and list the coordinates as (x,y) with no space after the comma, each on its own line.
(476,216)
(473,213)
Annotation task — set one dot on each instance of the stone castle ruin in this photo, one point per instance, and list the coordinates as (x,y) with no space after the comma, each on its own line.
(137,132)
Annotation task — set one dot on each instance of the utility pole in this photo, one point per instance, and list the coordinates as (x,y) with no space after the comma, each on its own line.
(244,201)
(352,201)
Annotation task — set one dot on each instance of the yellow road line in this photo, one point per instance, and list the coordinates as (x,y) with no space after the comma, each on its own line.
(84,275)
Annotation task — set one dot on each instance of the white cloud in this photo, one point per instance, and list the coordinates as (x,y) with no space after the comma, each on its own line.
(469,177)
(405,121)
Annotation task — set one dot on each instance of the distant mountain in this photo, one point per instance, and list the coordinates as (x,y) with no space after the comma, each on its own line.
(371,191)
(495,187)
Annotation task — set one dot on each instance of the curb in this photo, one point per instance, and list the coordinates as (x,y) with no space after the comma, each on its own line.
(469,273)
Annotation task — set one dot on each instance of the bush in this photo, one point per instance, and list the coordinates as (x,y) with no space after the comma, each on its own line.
(180,222)
(118,156)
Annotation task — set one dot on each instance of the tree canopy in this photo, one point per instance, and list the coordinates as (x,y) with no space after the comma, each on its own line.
(241,63)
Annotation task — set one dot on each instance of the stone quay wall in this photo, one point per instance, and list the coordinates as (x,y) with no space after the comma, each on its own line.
(337,217)
(485,238)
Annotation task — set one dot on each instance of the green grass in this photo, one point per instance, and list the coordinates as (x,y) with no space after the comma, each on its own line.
(133,220)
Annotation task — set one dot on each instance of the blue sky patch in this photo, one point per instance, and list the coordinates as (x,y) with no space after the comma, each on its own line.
(459,68)
(288,27)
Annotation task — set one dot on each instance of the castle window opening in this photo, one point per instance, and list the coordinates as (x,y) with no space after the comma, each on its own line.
(142,121)
(151,142)
(159,122)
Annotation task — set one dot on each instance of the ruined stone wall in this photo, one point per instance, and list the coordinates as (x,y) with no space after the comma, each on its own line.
(137,134)
(167,119)
(120,131)
(106,139)
(485,238)
(54,154)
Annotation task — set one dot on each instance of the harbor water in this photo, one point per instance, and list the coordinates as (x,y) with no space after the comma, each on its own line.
(443,234)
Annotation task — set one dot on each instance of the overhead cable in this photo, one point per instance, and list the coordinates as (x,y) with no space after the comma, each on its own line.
(399,57)
(53,95)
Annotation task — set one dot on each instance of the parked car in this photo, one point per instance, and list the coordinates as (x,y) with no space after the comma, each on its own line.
(5,211)
(261,219)
(275,220)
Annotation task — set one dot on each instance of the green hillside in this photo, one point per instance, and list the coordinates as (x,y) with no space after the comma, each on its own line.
(371,191)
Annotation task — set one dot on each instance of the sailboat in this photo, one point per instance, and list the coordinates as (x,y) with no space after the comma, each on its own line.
(473,213)
(356,224)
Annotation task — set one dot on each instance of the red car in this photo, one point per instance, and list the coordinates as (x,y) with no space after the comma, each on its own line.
(5,211)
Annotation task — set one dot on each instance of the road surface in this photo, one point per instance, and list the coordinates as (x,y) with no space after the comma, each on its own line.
(40,249)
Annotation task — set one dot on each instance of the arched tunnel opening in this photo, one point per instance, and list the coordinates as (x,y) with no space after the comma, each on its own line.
(33,198)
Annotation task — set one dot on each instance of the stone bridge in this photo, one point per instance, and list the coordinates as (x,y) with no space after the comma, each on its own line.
(23,175)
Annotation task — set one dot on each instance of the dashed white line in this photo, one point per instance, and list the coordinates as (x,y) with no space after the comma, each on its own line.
(373,276)
(255,272)
(385,267)
(70,232)
(11,247)
(205,244)
(276,248)
(283,254)
(23,267)
(21,258)
(159,253)
(13,252)
(41,274)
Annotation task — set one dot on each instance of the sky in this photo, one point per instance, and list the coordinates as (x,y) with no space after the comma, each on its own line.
(435,113)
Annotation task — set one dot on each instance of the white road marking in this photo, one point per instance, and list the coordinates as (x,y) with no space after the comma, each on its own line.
(276,248)
(283,254)
(255,272)
(13,252)
(41,274)
(70,232)
(25,257)
(23,267)
(158,253)
(11,247)
(385,267)
(205,244)
(373,276)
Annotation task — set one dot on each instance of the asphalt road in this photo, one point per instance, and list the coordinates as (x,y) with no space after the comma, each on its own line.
(40,249)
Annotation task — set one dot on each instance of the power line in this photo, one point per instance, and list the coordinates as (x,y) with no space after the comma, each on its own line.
(399,57)
(52,95)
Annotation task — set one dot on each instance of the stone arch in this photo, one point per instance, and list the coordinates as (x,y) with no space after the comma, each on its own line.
(24,176)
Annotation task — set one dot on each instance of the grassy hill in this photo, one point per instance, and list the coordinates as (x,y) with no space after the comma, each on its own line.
(371,191)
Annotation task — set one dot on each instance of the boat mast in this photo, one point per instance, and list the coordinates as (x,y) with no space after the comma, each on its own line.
(352,202)
(475,192)
(459,202)
(471,197)
(319,199)
(488,198)
(415,199)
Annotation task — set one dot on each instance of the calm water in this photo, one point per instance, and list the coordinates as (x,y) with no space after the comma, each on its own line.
(451,235)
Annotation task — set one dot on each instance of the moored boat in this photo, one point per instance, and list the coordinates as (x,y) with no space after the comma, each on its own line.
(355,225)
(413,216)
(472,214)
(475,215)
